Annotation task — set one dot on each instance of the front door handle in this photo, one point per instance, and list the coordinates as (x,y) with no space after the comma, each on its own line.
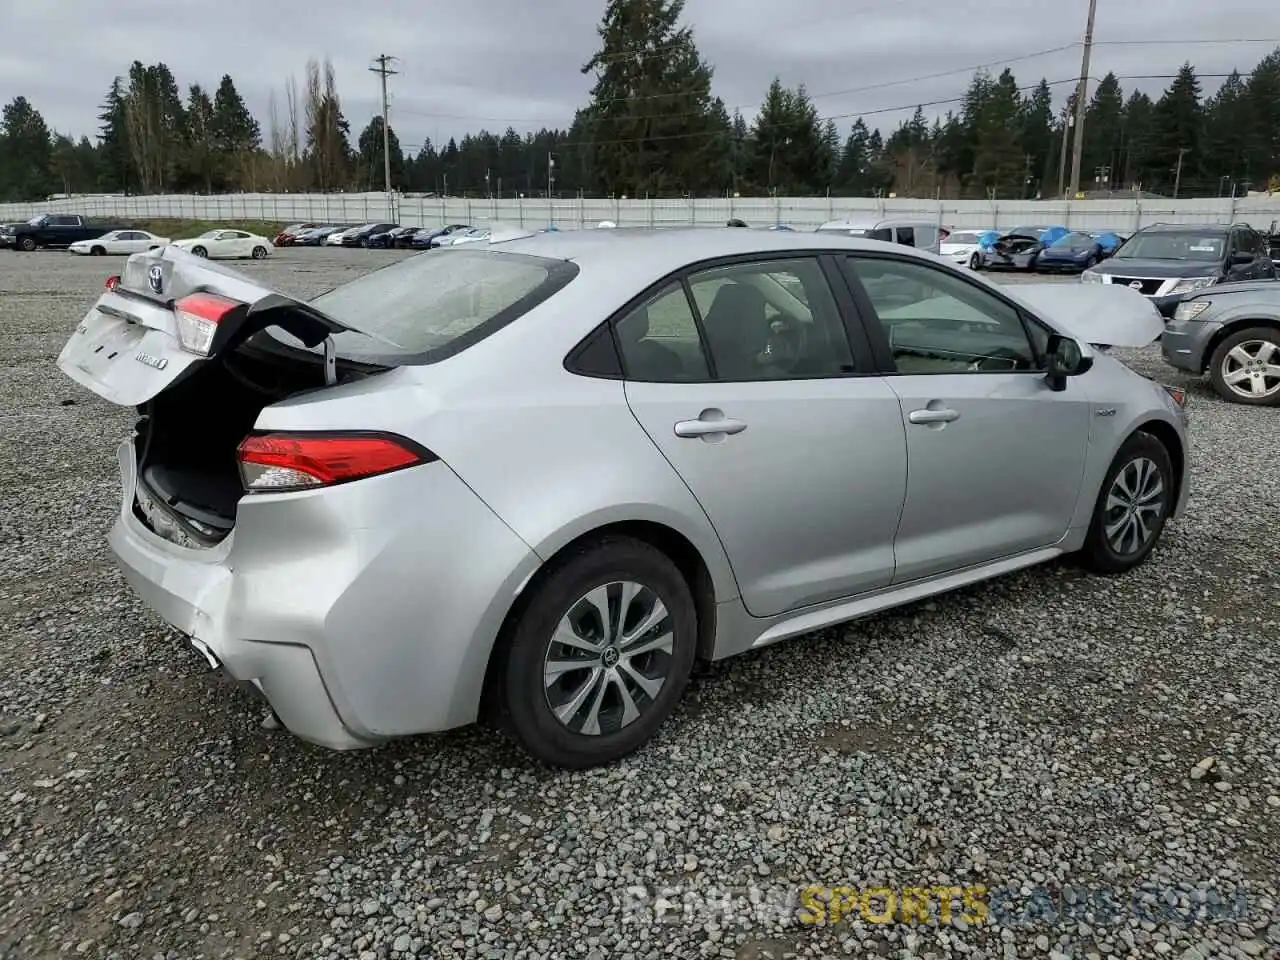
(933,416)
(709,423)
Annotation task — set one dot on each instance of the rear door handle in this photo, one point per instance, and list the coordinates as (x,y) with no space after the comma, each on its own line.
(710,423)
(933,416)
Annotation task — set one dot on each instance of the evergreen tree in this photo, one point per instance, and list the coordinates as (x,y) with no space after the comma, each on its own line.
(115,167)
(1179,117)
(1263,127)
(202,165)
(789,150)
(237,137)
(26,153)
(1138,141)
(370,172)
(852,176)
(1039,138)
(1226,134)
(651,110)
(999,164)
(1103,121)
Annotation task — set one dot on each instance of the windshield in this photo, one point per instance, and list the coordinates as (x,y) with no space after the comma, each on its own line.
(429,307)
(36,221)
(962,238)
(1074,241)
(1173,245)
(208,235)
(1026,231)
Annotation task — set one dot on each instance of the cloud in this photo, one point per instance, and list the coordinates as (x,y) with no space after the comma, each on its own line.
(494,63)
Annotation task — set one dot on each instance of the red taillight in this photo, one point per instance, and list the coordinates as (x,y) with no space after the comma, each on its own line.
(198,317)
(112,283)
(297,461)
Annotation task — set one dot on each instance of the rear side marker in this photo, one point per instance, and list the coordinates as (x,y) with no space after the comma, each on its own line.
(280,462)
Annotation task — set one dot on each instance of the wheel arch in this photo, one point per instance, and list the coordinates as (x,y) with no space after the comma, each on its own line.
(678,548)
(1172,442)
(1232,327)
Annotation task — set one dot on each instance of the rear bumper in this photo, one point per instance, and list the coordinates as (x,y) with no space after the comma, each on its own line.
(358,616)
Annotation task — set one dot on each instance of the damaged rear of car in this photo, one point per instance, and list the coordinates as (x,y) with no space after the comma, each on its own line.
(265,483)
(1019,249)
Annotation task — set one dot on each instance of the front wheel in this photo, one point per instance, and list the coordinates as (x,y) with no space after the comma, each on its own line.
(599,656)
(200,251)
(28,244)
(1132,507)
(975,262)
(1245,368)
(259,253)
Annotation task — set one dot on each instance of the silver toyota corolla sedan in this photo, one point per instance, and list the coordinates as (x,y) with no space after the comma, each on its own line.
(534,479)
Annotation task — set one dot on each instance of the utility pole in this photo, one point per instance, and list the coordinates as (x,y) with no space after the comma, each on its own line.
(383,70)
(1068,121)
(1077,145)
(1177,173)
(551,185)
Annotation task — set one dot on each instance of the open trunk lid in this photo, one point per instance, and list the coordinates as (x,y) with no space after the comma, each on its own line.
(129,348)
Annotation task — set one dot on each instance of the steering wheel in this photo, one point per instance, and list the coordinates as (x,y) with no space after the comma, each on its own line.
(787,343)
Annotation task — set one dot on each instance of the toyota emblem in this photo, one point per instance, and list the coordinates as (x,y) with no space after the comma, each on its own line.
(1135,285)
(155,278)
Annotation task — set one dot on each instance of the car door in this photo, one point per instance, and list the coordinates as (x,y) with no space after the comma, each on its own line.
(744,377)
(131,241)
(996,458)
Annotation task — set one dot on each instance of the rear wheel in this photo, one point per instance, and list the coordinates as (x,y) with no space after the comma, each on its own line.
(599,656)
(1245,368)
(200,251)
(259,253)
(1132,507)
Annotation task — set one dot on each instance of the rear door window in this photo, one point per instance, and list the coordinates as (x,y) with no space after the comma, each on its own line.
(907,236)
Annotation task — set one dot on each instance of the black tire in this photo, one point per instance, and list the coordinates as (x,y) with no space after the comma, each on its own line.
(519,701)
(1220,356)
(1098,553)
(97,252)
(975,262)
(27,244)
(259,253)
(199,251)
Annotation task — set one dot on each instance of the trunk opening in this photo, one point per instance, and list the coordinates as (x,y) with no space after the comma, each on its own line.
(187,435)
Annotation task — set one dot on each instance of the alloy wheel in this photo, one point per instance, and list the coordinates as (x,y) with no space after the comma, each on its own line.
(1251,369)
(609,658)
(1135,503)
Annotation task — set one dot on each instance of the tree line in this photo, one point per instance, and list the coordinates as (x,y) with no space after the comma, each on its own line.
(654,127)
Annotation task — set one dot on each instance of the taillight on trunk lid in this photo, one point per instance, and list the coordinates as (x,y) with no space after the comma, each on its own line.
(280,462)
(199,315)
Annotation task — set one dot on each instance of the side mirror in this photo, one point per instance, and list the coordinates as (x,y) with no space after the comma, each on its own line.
(1065,359)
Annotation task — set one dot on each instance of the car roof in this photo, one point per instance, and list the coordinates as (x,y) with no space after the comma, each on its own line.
(661,250)
(1189,227)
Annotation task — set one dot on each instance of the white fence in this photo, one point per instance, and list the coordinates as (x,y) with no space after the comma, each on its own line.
(800,212)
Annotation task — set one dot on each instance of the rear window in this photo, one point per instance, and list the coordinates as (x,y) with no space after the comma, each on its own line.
(435,305)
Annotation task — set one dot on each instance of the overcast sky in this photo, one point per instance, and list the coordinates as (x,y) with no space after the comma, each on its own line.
(493,63)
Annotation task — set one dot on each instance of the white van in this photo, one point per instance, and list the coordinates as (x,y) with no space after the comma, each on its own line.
(921,234)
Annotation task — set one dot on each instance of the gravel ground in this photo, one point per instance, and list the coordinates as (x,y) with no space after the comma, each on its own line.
(1047,732)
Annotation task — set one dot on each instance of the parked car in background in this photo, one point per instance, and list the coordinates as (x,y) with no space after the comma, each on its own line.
(960,246)
(54,231)
(423,239)
(1071,253)
(227,245)
(289,235)
(360,236)
(1019,249)
(316,237)
(336,238)
(921,234)
(549,403)
(388,239)
(471,235)
(1165,261)
(1232,333)
(118,242)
